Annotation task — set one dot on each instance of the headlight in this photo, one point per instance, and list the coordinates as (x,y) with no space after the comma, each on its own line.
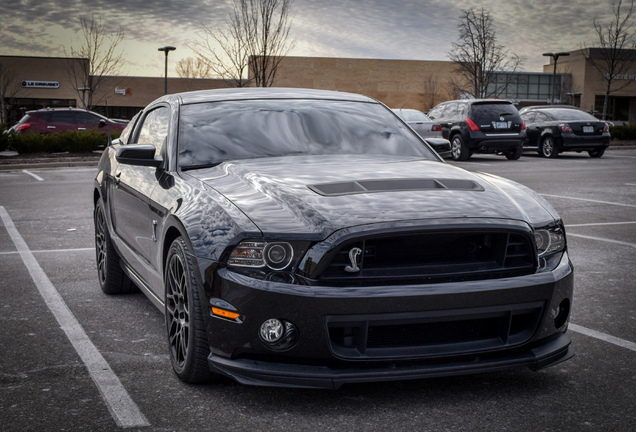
(549,240)
(275,256)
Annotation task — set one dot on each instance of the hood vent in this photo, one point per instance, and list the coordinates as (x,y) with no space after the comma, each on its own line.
(393,185)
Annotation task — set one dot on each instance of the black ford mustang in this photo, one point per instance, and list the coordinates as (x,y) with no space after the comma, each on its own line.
(309,238)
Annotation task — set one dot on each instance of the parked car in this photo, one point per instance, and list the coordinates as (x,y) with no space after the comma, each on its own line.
(534,107)
(551,131)
(481,126)
(426,128)
(55,120)
(307,238)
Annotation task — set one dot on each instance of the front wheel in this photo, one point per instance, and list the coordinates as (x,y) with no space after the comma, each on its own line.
(187,339)
(596,153)
(458,149)
(548,149)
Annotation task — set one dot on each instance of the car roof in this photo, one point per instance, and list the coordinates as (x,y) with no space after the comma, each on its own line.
(481,101)
(251,93)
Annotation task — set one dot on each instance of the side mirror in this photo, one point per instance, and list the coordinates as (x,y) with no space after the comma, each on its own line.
(139,155)
(102,123)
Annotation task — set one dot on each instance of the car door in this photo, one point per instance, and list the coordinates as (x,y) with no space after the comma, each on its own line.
(532,131)
(59,121)
(132,187)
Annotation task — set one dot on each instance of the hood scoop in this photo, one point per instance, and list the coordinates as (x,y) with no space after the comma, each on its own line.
(393,185)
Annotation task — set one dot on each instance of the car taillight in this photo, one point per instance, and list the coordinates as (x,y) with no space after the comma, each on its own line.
(436,128)
(471,125)
(23,127)
(523,125)
(606,128)
(565,127)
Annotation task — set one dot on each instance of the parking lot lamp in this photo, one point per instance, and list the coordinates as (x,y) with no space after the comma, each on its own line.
(166,49)
(555,57)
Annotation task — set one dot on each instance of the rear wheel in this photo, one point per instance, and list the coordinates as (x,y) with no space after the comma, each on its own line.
(112,278)
(596,153)
(187,339)
(548,148)
(458,149)
(514,154)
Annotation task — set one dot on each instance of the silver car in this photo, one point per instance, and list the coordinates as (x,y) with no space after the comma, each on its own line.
(428,129)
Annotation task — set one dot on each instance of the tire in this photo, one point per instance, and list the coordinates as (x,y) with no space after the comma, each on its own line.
(112,278)
(596,153)
(458,149)
(514,154)
(187,339)
(548,149)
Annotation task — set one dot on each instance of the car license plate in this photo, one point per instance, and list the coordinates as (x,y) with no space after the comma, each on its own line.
(588,129)
(501,125)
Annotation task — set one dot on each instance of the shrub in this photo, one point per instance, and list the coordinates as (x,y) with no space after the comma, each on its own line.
(625,132)
(72,142)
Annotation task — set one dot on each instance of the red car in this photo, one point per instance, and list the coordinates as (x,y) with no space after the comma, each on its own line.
(54,120)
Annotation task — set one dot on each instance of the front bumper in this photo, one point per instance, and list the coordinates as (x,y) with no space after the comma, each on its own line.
(483,326)
(254,372)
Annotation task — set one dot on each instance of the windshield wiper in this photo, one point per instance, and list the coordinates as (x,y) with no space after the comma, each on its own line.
(201,166)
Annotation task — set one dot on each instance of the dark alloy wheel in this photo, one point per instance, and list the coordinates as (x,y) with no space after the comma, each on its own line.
(112,278)
(596,153)
(548,148)
(458,149)
(189,348)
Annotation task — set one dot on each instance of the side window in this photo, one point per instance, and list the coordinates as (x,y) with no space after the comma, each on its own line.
(66,117)
(450,111)
(87,119)
(529,117)
(154,128)
(541,117)
(436,112)
(461,110)
(125,134)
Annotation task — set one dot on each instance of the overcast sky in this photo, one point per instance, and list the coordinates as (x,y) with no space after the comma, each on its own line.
(381,29)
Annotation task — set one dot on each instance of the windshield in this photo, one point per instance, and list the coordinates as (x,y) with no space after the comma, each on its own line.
(570,114)
(211,133)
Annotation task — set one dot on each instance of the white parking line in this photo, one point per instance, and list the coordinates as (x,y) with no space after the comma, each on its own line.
(599,224)
(37,177)
(590,200)
(602,239)
(121,406)
(602,336)
(51,251)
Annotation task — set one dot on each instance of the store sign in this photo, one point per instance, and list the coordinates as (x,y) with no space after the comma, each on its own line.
(40,84)
(622,77)
(123,92)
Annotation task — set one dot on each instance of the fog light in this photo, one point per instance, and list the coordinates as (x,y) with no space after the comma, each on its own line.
(272,330)
(278,335)
(562,313)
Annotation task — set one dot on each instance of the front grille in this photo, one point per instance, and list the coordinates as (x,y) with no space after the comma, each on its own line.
(434,334)
(432,258)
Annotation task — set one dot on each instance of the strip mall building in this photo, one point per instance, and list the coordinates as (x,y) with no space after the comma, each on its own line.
(41,82)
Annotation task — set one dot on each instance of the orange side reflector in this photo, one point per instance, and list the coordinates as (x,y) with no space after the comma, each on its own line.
(225,314)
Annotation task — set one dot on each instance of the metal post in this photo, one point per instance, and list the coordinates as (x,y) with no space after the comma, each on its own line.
(166,49)
(555,57)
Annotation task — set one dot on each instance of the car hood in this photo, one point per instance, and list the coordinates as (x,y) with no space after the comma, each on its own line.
(322,194)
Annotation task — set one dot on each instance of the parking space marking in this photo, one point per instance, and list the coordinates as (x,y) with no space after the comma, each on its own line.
(600,224)
(602,239)
(121,406)
(35,176)
(590,200)
(51,251)
(603,336)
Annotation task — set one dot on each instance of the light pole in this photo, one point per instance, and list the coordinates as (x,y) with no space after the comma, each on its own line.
(555,57)
(166,49)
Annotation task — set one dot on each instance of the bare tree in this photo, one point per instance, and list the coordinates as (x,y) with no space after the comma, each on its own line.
(193,68)
(613,57)
(252,45)
(96,55)
(9,88)
(479,57)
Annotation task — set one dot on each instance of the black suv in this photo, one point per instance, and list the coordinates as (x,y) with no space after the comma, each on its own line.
(481,126)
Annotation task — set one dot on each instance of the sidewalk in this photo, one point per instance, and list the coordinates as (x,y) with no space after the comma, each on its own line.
(13,161)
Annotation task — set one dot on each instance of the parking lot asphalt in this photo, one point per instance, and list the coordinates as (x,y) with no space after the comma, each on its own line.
(53,313)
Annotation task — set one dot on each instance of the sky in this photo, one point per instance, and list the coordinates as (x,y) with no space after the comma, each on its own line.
(377,29)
